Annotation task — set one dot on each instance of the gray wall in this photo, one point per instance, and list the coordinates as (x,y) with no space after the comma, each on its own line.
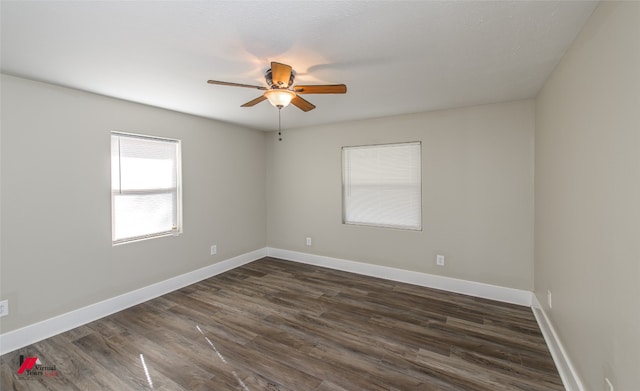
(587,225)
(477,193)
(56,210)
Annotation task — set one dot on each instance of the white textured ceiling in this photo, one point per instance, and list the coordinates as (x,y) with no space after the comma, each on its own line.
(394,56)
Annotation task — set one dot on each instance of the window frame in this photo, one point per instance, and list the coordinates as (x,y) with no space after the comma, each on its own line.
(345,221)
(176,230)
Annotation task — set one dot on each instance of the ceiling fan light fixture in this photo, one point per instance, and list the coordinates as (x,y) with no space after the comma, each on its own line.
(279,97)
(281,92)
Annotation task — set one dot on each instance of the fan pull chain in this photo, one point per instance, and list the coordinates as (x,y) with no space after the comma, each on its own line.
(279,124)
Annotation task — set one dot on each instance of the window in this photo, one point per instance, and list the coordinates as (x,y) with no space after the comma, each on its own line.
(381,185)
(145,187)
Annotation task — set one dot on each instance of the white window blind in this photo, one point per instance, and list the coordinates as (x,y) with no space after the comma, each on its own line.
(382,185)
(145,187)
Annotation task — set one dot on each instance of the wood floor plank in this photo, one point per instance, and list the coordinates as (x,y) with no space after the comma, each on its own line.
(275,325)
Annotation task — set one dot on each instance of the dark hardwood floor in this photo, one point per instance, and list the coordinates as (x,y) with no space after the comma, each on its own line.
(278,325)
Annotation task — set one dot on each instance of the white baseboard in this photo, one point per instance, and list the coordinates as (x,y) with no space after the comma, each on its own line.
(28,335)
(567,372)
(478,289)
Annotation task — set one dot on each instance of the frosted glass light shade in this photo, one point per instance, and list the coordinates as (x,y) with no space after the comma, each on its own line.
(279,98)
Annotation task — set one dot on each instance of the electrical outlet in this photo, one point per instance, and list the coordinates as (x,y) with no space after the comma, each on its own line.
(549,299)
(308,241)
(440,260)
(214,249)
(4,307)
(609,384)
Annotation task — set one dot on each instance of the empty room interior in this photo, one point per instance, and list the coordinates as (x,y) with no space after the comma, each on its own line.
(293,196)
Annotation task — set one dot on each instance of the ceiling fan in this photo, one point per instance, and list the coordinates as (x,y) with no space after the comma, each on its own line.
(281,91)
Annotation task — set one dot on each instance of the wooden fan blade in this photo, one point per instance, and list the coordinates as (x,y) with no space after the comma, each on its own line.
(324,89)
(302,104)
(255,101)
(280,74)
(226,83)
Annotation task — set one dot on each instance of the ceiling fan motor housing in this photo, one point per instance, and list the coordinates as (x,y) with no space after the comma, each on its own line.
(269,78)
